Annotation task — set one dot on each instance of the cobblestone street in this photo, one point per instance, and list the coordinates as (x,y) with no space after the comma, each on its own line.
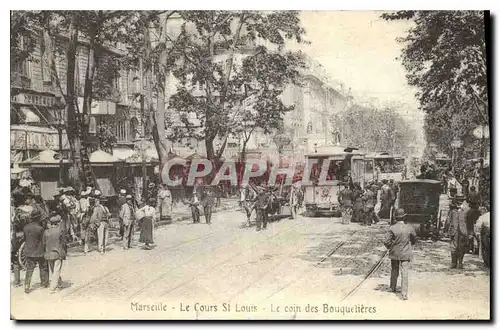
(225,270)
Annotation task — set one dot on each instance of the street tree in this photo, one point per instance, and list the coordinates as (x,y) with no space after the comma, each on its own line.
(233,68)
(374,129)
(444,55)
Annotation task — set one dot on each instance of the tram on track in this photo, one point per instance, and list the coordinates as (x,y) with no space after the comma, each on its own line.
(345,164)
(383,166)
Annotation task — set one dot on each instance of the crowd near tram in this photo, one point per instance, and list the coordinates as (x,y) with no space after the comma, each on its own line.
(41,232)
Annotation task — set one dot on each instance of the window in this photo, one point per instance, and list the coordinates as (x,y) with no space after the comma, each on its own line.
(122,131)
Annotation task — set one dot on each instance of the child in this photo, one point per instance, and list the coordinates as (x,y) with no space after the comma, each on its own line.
(55,250)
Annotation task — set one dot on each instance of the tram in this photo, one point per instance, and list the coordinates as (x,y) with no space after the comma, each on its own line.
(383,166)
(345,165)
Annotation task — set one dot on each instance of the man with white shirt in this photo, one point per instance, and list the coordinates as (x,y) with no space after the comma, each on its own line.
(482,231)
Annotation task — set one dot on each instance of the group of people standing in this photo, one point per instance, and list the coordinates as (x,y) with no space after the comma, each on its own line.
(361,205)
(45,238)
(47,231)
(468,223)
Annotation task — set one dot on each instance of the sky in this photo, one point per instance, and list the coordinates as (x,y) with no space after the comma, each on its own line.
(359,49)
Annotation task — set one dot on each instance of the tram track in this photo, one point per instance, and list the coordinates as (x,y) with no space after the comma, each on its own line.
(217,265)
(144,260)
(343,248)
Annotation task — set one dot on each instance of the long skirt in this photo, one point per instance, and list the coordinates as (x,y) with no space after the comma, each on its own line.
(346,214)
(146,230)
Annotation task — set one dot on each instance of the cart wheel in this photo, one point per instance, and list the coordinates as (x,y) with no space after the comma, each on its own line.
(22,256)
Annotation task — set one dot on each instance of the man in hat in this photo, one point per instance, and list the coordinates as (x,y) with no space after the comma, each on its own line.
(34,250)
(262,204)
(99,219)
(399,240)
(193,203)
(207,201)
(54,243)
(458,232)
(127,216)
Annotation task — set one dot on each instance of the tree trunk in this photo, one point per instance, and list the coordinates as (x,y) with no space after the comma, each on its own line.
(72,127)
(158,116)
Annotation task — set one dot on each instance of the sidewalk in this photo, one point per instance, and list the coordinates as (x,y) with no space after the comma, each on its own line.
(181,212)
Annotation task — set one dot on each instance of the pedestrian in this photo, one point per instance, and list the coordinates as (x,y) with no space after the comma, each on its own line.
(127,215)
(16,231)
(164,204)
(208,201)
(99,221)
(465,187)
(345,199)
(386,200)
(121,200)
(457,232)
(34,251)
(474,198)
(483,233)
(54,242)
(193,203)
(399,240)
(262,204)
(294,200)
(444,180)
(368,201)
(357,211)
(146,216)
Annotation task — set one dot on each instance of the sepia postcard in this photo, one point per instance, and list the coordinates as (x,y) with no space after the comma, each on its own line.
(250,165)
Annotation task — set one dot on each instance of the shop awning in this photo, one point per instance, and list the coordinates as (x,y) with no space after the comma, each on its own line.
(44,158)
(103,158)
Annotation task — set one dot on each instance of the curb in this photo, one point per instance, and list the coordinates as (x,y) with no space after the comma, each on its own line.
(113,232)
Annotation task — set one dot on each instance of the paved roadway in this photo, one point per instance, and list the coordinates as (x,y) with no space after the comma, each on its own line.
(227,271)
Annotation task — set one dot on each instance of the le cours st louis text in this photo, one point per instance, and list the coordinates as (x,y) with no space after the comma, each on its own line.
(251,308)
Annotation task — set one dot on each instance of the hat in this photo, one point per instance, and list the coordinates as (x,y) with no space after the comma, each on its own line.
(68,189)
(97,193)
(55,219)
(123,191)
(151,185)
(400,214)
(128,197)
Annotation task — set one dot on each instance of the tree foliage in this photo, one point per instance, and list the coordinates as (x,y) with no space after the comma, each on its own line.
(375,130)
(218,82)
(444,55)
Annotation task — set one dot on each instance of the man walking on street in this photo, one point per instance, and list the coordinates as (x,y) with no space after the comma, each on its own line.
(54,242)
(263,198)
(127,215)
(399,241)
(457,232)
(208,201)
(34,250)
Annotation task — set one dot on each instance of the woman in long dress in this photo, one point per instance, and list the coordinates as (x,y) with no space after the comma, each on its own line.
(147,216)
(165,203)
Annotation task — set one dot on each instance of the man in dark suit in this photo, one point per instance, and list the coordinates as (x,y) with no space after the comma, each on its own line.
(399,240)
(458,232)
(369,205)
(34,250)
(208,201)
